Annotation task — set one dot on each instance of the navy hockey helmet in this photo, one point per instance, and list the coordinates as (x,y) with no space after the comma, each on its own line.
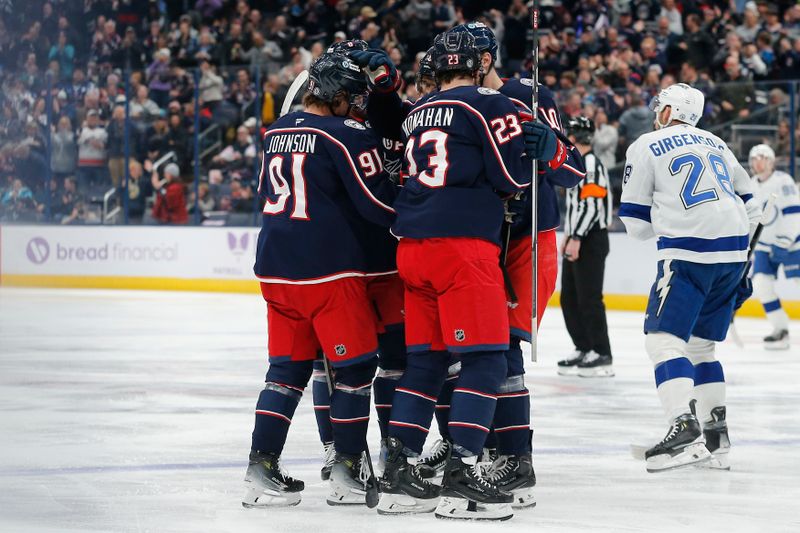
(332,74)
(426,66)
(485,40)
(581,128)
(345,47)
(455,52)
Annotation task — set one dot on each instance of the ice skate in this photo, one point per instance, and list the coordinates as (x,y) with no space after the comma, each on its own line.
(350,478)
(268,485)
(467,495)
(777,340)
(683,445)
(514,474)
(329,454)
(595,365)
(433,465)
(569,366)
(403,490)
(717,441)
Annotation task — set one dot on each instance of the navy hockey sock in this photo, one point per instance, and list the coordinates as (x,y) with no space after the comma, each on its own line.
(350,406)
(322,402)
(512,417)
(474,400)
(391,363)
(415,398)
(276,404)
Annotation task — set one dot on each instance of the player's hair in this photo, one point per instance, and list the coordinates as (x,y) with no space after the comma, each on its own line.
(309,100)
(448,76)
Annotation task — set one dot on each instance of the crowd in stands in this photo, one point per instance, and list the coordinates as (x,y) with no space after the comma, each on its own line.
(87,85)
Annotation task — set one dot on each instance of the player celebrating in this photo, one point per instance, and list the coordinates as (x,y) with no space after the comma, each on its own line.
(562,165)
(779,244)
(464,146)
(684,186)
(316,189)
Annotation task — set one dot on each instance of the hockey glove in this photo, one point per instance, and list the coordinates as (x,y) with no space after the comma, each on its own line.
(542,144)
(743,292)
(515,208)
(382,74)
(778,254)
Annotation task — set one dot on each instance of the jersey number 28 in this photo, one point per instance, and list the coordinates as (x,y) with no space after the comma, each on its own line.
(690,196)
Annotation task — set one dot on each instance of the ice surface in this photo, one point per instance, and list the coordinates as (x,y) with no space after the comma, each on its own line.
(132,411)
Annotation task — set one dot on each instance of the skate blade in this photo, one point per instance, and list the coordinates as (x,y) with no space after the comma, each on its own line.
(262,499)
(718,461)
(450,508)
(691,454)
(391,504)
(349,498)
(776,346)
(638,451)
(567,371)
(599,372)
(523,498)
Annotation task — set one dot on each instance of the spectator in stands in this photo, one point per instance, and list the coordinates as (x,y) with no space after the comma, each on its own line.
(116,146)
(64,54)
(736,95)
(170,206)
(237,160)
(264,55)
(205,201)
(64,150)
(178,139)
(65,204)
(636,120)
(159,78)
(749,27)
(138,190)
(142,106)
(210,86)
(158,138)
(18,203)
(92,152)
(130,54)
(241,197)
(606,138)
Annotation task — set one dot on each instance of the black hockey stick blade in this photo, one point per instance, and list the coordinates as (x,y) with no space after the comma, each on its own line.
(373,495)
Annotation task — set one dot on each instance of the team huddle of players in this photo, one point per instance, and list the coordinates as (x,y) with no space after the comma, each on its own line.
(395,260)
(422,323)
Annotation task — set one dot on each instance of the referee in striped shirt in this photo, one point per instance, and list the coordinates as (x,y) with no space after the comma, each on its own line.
(584,249)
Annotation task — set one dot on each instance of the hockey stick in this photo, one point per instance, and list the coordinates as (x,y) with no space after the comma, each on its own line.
(737,340)
(534,230)
(372,495)
(294,88)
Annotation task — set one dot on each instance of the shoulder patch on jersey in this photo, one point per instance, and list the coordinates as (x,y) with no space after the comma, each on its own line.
(356,125)
(627,174)
(526,81)
(487,90)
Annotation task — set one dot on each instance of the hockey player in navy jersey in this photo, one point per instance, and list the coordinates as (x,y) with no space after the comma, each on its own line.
(384,290)
(560,164)
(684,186)
(464,152)
(318,188)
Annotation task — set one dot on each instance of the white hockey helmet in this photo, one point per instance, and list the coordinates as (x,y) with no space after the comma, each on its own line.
(760,151)
(686,103)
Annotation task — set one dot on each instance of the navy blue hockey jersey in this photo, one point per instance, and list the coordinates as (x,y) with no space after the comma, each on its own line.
(321,181)
(464,148)
(520,91)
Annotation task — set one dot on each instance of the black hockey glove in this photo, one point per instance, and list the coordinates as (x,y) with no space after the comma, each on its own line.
(744,291)
(542,144)
(382,74)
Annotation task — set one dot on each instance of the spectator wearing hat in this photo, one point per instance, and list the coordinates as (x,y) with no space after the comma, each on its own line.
(92,152)
(170,206)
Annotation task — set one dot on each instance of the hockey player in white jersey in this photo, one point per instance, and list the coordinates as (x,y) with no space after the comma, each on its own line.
(779,245)
(685,187)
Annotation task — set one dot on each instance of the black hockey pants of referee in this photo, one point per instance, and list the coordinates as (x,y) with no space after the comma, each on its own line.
(582,294)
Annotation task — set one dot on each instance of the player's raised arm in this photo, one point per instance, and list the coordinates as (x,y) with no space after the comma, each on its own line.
(637,192)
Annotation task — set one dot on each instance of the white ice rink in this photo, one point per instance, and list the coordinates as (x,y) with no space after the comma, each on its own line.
(132,411)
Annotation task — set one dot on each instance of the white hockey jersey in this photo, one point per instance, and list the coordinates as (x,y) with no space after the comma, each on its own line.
(782,223)
(684,186)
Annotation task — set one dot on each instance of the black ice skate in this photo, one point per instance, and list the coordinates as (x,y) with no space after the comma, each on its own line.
(350,480)
(433,464)
(514,474)
(717,442)
(468,495)
(683,445)
(268,485)
(595,365)
(569,366)
(329,454)
(403,490)
(777,340)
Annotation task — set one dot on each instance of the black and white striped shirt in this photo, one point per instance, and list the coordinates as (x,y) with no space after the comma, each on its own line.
(589,202)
